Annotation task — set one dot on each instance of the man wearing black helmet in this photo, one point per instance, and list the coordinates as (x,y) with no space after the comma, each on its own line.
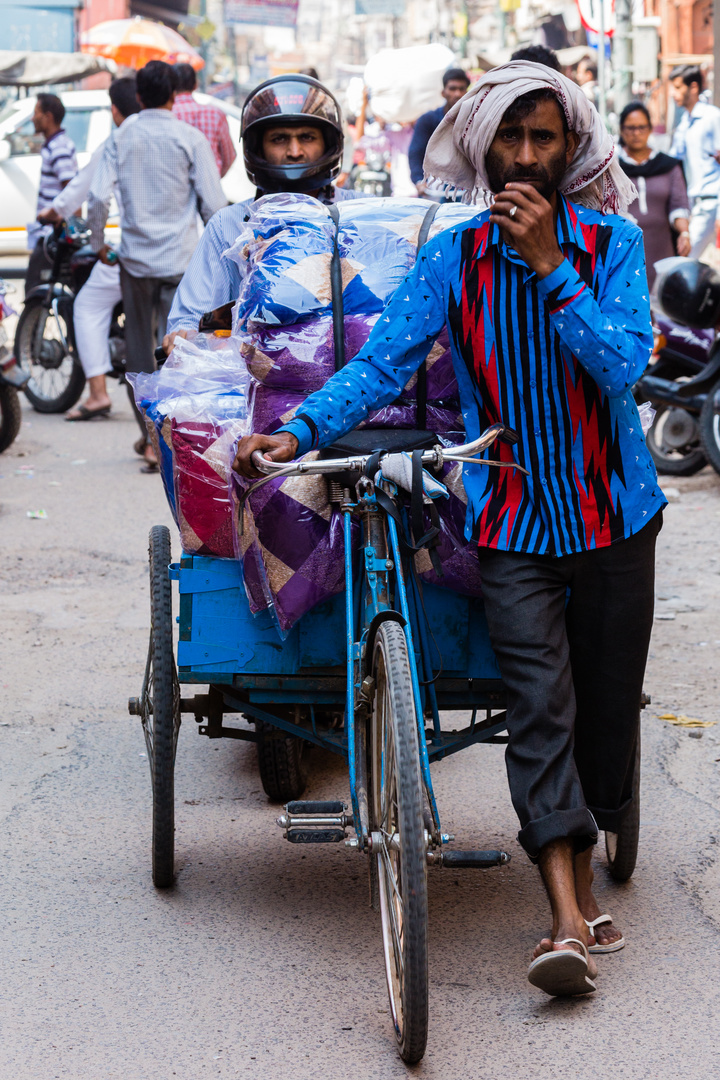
(292,142)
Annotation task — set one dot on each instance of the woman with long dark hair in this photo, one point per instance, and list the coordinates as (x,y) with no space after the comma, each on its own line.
(661,208)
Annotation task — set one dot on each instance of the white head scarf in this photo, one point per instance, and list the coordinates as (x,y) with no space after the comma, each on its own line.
(456,152)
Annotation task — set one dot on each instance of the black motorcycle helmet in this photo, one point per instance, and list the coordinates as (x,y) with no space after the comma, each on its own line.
(285,100)
(688,292)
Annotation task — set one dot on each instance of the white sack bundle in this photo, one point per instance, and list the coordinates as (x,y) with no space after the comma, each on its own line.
(405,83)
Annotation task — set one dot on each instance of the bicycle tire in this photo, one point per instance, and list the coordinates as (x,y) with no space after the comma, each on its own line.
(709,425)
(10,416)
(70,387)
(396,808)
(621,847)
(161,709)
(280,763)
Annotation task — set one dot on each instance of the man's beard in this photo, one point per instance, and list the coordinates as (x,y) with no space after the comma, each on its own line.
(549,179)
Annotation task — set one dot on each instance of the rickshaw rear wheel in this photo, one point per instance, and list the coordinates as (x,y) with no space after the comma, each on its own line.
(160,709)
(622,847)
(399,844)
(280,762)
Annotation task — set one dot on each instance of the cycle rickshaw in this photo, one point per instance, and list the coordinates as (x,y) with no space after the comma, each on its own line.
(357,675)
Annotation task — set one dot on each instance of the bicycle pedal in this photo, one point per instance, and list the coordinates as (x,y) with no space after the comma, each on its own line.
(468,860)
(315,822)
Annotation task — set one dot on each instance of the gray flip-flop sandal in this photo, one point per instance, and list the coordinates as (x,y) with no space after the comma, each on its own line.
(83,413)
(564,973)
(602,920)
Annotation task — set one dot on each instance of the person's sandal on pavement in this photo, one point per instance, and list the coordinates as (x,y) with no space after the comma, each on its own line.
(83,413)
(614,946)
(564,973)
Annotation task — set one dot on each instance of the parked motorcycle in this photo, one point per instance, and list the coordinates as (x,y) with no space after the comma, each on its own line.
(11,381)
(45,338)
(685,364)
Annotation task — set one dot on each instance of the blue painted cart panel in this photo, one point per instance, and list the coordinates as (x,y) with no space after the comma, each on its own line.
(219,637)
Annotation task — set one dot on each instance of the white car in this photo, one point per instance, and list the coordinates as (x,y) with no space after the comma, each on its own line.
(88,122)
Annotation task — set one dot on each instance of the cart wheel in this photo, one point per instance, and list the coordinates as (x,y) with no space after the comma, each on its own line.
(622,847)
(397,815)
(280,759)
(160,709)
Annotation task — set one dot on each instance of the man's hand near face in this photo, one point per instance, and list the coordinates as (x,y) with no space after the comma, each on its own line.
(281,447)
(527,222)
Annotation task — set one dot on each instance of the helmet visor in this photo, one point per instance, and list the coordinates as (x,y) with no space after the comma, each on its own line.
(293,99)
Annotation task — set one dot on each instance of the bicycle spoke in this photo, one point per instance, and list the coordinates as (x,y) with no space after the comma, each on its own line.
(395,929)
(391,874)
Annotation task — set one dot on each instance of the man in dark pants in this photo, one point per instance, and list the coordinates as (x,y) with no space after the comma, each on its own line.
(545,301)
(165,174)
(455,84)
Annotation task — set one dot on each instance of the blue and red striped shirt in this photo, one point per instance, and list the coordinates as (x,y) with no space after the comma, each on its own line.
(554,359)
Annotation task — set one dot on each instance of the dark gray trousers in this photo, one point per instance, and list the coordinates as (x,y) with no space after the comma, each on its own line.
(37,263)
(571,636)
(147,302)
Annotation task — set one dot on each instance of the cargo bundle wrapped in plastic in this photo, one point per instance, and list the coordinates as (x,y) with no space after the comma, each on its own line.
(290,539)
(195,408)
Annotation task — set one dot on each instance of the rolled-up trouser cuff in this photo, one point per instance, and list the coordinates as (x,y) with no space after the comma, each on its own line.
(611,820)
(579,824)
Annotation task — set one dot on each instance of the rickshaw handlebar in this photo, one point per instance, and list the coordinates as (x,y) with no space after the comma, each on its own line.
(357,462)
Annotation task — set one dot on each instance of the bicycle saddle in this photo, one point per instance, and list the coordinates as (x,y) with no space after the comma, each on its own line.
(367,440)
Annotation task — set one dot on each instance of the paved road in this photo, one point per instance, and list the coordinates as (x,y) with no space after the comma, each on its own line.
(264,961)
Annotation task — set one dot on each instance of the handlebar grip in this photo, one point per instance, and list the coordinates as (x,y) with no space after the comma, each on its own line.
(160,356)
(510,436)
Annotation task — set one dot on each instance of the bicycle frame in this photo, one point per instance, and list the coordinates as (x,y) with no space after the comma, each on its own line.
(383,594)
(382,576)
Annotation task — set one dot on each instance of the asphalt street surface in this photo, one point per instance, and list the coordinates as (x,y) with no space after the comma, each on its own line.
(265,959)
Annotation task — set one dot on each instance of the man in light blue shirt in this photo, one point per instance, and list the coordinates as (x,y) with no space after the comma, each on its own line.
(292,141)
(697,144)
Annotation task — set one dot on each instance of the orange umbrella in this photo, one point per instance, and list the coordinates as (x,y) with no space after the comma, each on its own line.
(133,42)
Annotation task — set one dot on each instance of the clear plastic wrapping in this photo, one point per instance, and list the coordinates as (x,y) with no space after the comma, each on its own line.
(195,408)
(291,541)
(286,253)
(301,357)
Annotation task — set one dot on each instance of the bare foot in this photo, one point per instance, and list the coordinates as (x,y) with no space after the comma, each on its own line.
(607,934)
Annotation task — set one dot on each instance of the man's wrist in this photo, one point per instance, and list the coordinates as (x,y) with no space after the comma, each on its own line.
(549,265)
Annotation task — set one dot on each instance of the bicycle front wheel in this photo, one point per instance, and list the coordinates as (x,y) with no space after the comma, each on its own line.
(399,847)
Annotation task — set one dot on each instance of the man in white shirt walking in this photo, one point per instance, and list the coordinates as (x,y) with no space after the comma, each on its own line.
(94,304)
(165,174)
(696,143)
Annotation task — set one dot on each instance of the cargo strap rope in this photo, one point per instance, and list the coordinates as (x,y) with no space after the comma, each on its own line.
(336,287)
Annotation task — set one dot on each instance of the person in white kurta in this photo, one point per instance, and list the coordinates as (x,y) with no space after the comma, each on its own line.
(97,299)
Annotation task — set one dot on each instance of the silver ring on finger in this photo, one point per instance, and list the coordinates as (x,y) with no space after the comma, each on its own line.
(513,211)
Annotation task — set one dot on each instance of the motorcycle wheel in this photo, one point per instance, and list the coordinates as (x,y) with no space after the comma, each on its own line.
(710,429)
(10,416)
(56,377)
(674,442)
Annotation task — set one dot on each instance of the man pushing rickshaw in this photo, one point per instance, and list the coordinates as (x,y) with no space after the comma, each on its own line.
(544,296)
